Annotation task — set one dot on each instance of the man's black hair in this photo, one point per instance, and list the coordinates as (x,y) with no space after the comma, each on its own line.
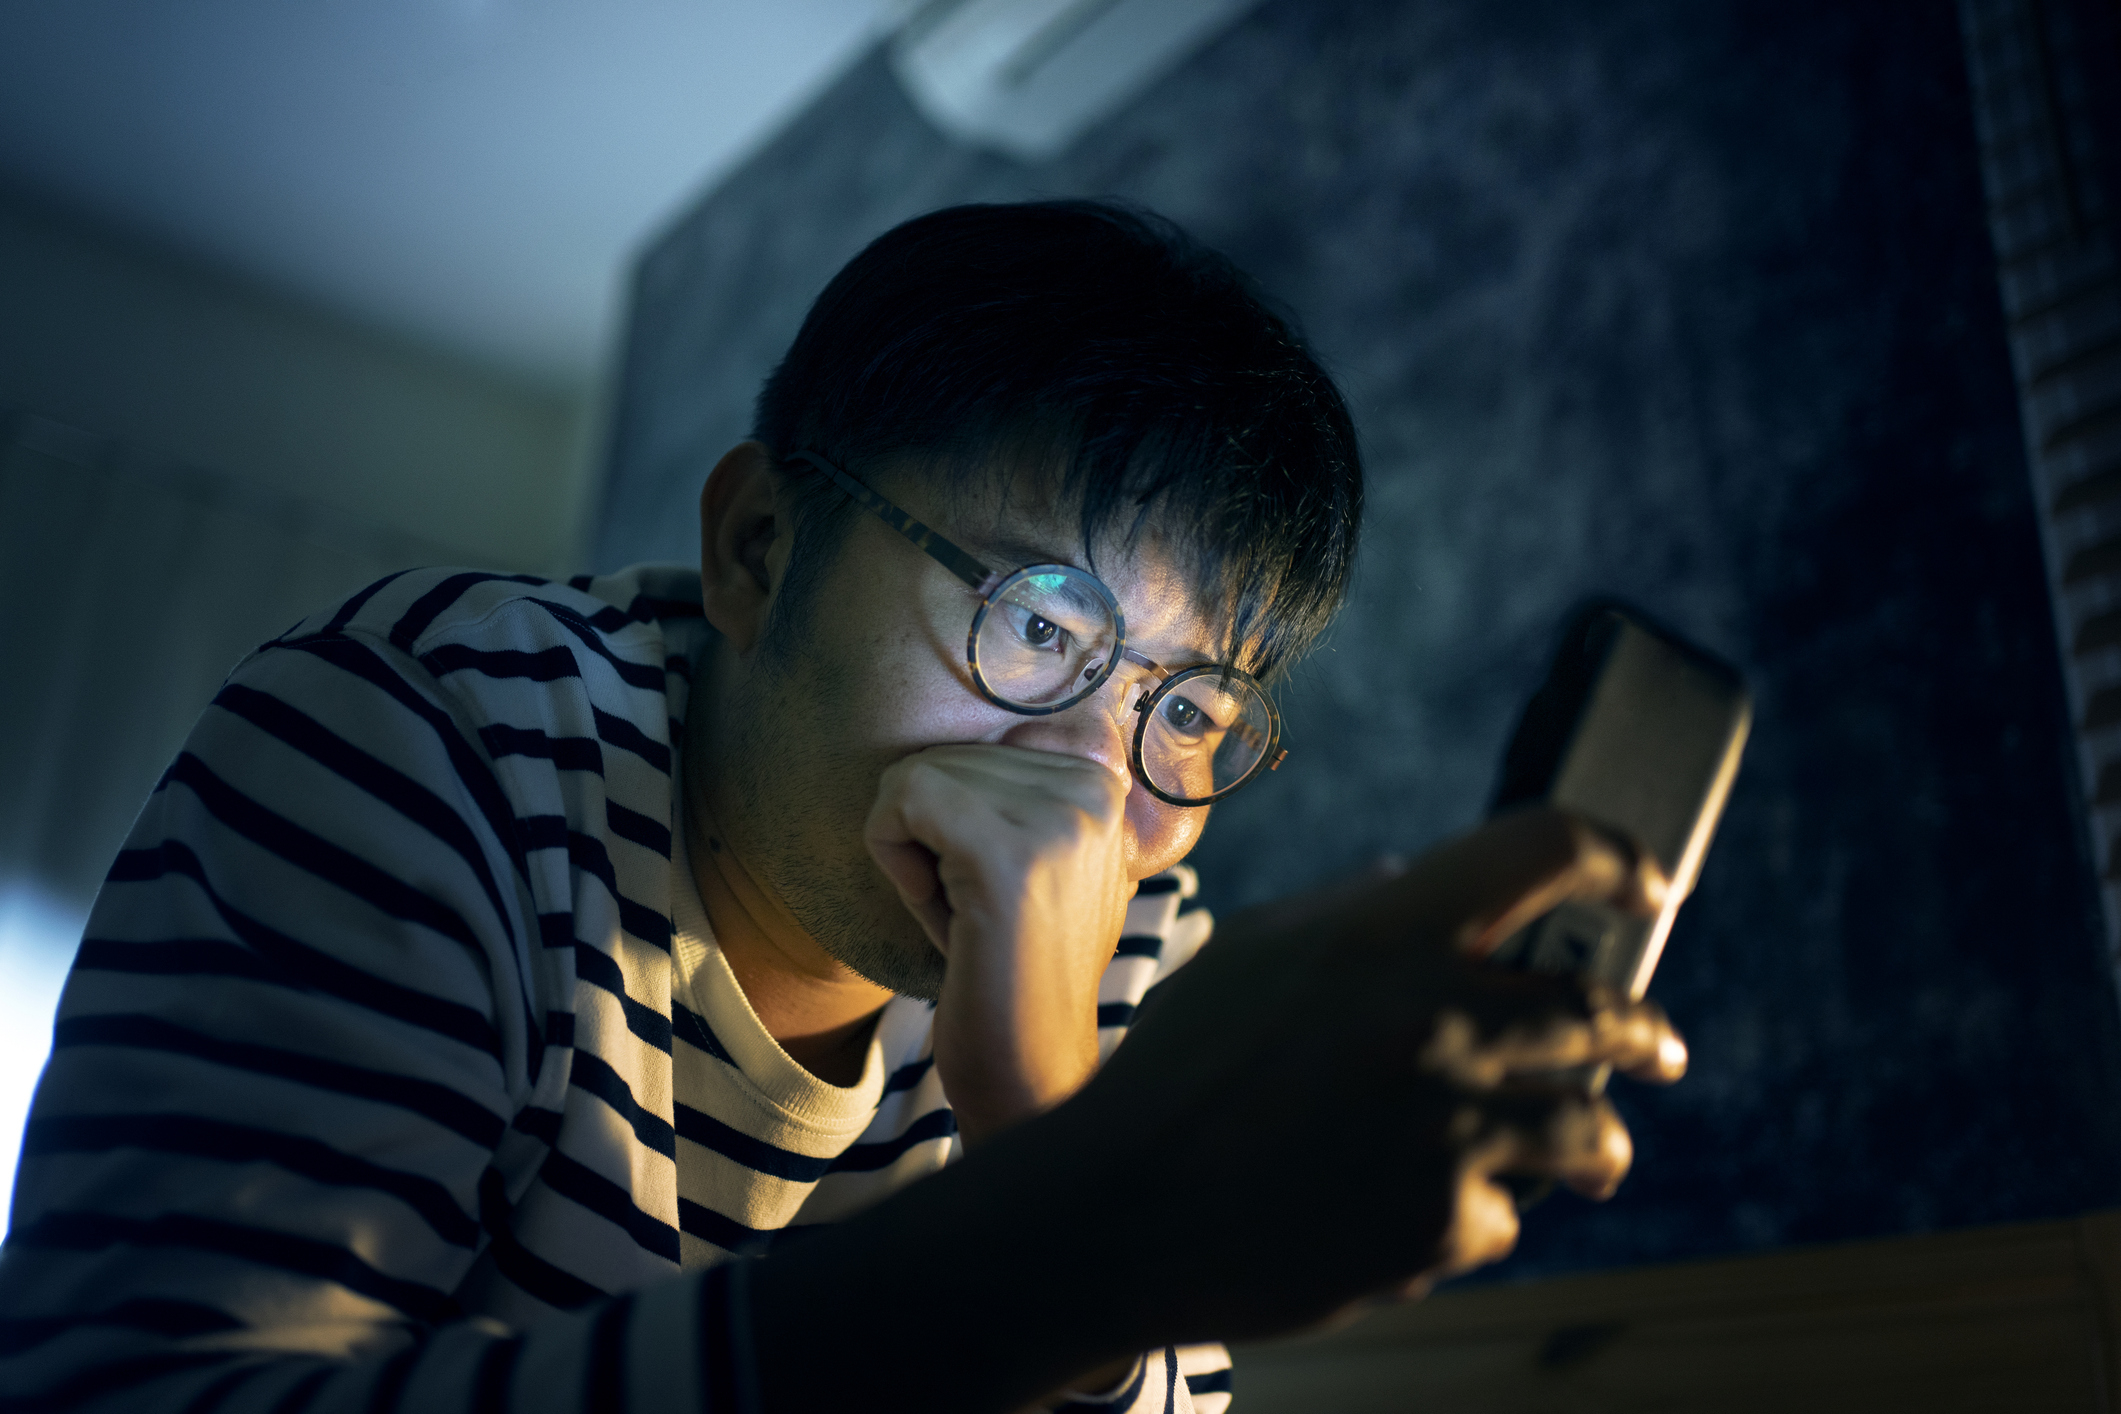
(1103,346)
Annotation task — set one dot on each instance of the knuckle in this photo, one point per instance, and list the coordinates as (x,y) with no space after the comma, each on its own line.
(1582,1128)
(1101,794)
(1083,827)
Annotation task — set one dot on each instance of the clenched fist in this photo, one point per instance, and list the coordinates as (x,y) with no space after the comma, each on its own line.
(1013,862)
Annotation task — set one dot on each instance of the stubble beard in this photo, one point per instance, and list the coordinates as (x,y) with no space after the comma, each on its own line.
(805,793)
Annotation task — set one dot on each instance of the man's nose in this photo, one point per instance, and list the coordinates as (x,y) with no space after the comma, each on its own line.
(1094,729)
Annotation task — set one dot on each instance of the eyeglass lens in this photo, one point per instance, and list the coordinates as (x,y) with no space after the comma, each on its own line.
(1204,731)
(1046,638)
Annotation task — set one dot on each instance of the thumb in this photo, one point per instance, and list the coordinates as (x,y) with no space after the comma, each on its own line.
(1493,880)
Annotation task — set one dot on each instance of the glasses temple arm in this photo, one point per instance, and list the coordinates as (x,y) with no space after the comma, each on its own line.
(934,545)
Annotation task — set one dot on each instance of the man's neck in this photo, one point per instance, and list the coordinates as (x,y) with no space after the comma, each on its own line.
(822,1012)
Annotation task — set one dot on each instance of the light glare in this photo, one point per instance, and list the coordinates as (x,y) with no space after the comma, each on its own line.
(38,936)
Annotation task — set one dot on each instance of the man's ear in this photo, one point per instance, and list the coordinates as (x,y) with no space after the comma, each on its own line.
(745,538)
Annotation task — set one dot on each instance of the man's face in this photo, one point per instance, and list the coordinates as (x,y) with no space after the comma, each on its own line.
(874,670)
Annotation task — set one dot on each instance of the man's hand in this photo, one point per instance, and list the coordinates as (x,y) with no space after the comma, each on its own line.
(1348,1063)
(1012,861)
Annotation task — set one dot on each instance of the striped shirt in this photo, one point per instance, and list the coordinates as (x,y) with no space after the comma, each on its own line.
(398,1068)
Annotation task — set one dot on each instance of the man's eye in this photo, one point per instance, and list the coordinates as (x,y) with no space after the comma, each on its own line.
(1182,714)
(1039,632)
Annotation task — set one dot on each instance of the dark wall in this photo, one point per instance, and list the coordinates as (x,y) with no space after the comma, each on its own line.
(1687,302)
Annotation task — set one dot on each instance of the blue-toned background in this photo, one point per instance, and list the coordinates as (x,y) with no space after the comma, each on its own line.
(1688,302)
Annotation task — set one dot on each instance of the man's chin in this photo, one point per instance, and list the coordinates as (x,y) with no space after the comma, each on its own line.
(856,915)
(910,968)
(881,943)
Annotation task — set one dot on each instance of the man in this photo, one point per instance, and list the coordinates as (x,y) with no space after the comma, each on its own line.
(504,964)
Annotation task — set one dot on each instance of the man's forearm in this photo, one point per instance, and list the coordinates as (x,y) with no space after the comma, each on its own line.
(981,1288)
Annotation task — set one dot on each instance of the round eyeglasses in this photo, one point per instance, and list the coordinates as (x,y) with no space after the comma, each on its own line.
(1045,637)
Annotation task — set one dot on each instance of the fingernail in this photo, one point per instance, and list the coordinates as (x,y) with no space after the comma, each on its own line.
(1671,1052)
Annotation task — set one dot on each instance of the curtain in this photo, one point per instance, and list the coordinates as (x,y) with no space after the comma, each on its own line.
(129,586)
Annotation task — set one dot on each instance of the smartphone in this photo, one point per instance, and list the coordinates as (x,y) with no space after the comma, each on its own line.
(1640,730)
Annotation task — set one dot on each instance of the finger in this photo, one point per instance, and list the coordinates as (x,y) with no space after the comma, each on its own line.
(945,810)
(1585,861)
(908,852)
(1487,884)
(916,873)
(1635,1038)
(1083,782)
(1515,1023)
(1664,1059)
(1554,1133)
(1645,885)
(1484,1228)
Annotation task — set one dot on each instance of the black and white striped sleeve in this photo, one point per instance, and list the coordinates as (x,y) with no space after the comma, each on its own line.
(304,1014)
